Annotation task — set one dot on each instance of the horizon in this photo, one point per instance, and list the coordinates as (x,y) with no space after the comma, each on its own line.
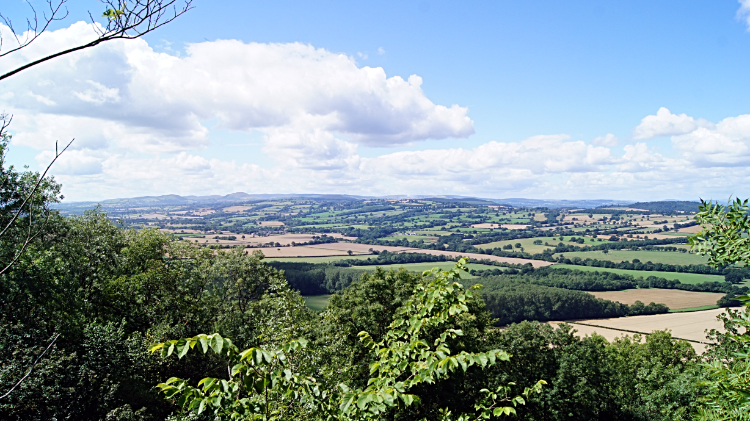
(630,100)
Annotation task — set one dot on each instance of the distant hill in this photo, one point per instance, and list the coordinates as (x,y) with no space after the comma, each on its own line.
(241,197)
(556,204)
(667,206)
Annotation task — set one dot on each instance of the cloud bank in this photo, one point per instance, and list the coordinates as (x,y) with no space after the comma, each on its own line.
(144,121)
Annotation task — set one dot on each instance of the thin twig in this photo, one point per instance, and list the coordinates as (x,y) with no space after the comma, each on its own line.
(32,367)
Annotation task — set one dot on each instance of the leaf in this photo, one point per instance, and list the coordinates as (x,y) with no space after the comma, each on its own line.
(347,402)
(217,343)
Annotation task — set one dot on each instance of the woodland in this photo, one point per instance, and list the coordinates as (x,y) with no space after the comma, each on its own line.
(102,321)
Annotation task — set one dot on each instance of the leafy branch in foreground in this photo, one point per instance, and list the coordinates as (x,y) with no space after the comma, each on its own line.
(262,383)
(724,237)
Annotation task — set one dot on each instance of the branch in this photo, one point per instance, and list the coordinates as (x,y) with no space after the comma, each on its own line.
(32,366)
(125,22)
(30,237)
(54,11)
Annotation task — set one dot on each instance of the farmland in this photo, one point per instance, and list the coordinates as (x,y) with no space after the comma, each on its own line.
(674,299)
(339,232)
(690,326)
(686,278)
(670,258)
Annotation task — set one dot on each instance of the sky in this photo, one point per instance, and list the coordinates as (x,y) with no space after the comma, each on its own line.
(623,100)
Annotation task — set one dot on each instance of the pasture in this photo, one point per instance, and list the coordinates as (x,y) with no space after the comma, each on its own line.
(317,302)
(672,298)
(685,278)
(421,267)
(666,257)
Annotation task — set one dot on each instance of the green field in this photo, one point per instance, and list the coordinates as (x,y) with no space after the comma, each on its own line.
(670,258)
(317,302)
(683,310)
(685,278)
(421,267)
(529,246)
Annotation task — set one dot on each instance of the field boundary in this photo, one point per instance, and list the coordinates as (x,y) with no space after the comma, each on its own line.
(635,331)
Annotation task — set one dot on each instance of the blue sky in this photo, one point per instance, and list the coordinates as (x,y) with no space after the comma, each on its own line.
(495,99)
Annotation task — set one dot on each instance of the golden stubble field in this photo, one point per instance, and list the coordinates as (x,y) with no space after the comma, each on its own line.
(691,326)
(672,298)
(299,252)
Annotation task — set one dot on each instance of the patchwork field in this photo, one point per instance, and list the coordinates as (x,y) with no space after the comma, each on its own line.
(685,278)
(529,246)
(672,298)
(690,326)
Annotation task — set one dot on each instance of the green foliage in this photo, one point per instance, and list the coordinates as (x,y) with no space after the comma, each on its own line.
(728,369)
(259,383)
(724,238)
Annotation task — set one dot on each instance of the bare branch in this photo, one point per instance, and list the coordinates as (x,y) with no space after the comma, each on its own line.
(36,186)
(127,20)
(32,29)
(57,335)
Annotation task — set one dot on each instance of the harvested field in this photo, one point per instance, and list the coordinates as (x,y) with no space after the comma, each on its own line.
(270,223)
(361,248)
(691,230)
(690,326)
(296,252)
(672,298)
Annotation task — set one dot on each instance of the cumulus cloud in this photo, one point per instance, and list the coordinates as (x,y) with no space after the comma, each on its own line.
(607,140)
(155,102)
(142,120)
(664,123)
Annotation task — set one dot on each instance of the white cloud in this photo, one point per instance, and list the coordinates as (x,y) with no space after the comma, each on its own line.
(143,120)
(381,50)
(607,140)
(744,12)
(664,123)
(154,102)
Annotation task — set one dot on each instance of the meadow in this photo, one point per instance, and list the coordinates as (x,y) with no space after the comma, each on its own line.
(666,257)
(685,278)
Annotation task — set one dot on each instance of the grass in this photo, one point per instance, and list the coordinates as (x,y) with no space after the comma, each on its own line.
(530,247)
(685,278)
(683,310)
(317,302)
(666,257)
(421,267)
